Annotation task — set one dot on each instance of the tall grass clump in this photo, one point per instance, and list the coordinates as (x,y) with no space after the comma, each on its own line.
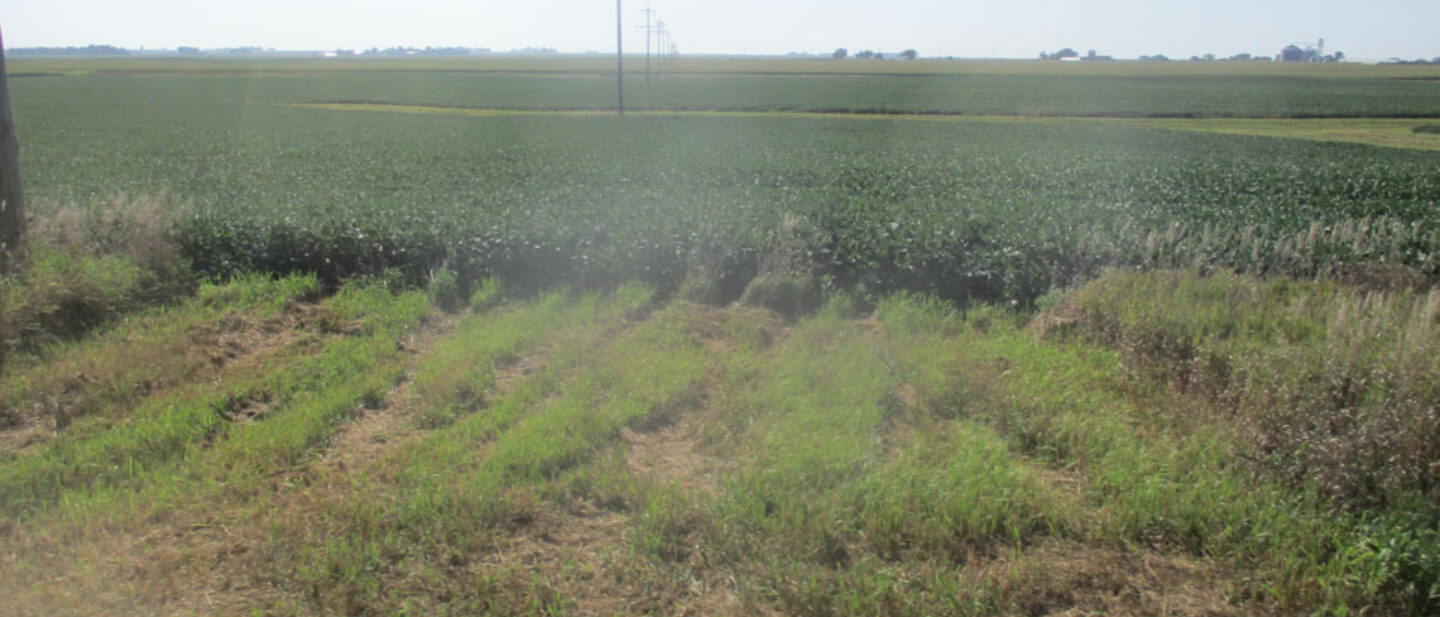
(1332,390)
(1163,474)
(84,267)
(59,296)
(1334,384)
(141,229)
(787,280)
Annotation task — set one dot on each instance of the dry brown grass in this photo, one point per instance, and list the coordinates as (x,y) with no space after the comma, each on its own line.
(139,228)
(1383,277)
(672,455)
(1062,577)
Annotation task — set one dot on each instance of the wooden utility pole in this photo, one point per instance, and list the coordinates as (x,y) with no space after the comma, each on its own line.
(649,30)
(12,200)
(660,36)
(619,58)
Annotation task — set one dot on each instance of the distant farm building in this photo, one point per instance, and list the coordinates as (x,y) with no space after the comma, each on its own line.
(1309,53)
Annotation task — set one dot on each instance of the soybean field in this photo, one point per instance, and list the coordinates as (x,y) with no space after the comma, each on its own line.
(894,181)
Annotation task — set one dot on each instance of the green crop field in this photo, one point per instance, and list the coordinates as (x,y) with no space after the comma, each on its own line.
(275,177)
(450,336)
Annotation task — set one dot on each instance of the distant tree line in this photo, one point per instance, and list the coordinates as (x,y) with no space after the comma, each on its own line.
(1239,58)
(1289,54)
(427,51)
(1069,53)
(234,51)
(1209,58)
(842,53)
(88,50)
(187,50)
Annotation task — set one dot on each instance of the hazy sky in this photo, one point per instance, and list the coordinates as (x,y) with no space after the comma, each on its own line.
(1374,29)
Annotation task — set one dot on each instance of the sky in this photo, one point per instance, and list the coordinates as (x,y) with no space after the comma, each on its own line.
(1370,30)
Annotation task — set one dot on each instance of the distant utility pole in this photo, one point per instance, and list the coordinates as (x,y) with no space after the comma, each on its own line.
(660,34)
(649,31)
(12,199)
(669,47)
(619,58)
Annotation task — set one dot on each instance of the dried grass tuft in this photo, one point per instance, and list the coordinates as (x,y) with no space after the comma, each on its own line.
(85,266)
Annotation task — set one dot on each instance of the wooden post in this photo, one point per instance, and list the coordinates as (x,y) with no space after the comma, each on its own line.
(619,59)
(12,199)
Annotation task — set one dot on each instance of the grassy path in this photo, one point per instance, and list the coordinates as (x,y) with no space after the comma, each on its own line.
(612,455)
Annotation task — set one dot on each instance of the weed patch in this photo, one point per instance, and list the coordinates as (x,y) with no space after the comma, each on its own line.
(1158,480)
(1336,385)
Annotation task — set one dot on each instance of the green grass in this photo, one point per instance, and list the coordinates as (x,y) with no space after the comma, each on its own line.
(204,428)
(1163,478)
(104,374)
(59,296)
(818,517)
(919,462)
(478,476)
